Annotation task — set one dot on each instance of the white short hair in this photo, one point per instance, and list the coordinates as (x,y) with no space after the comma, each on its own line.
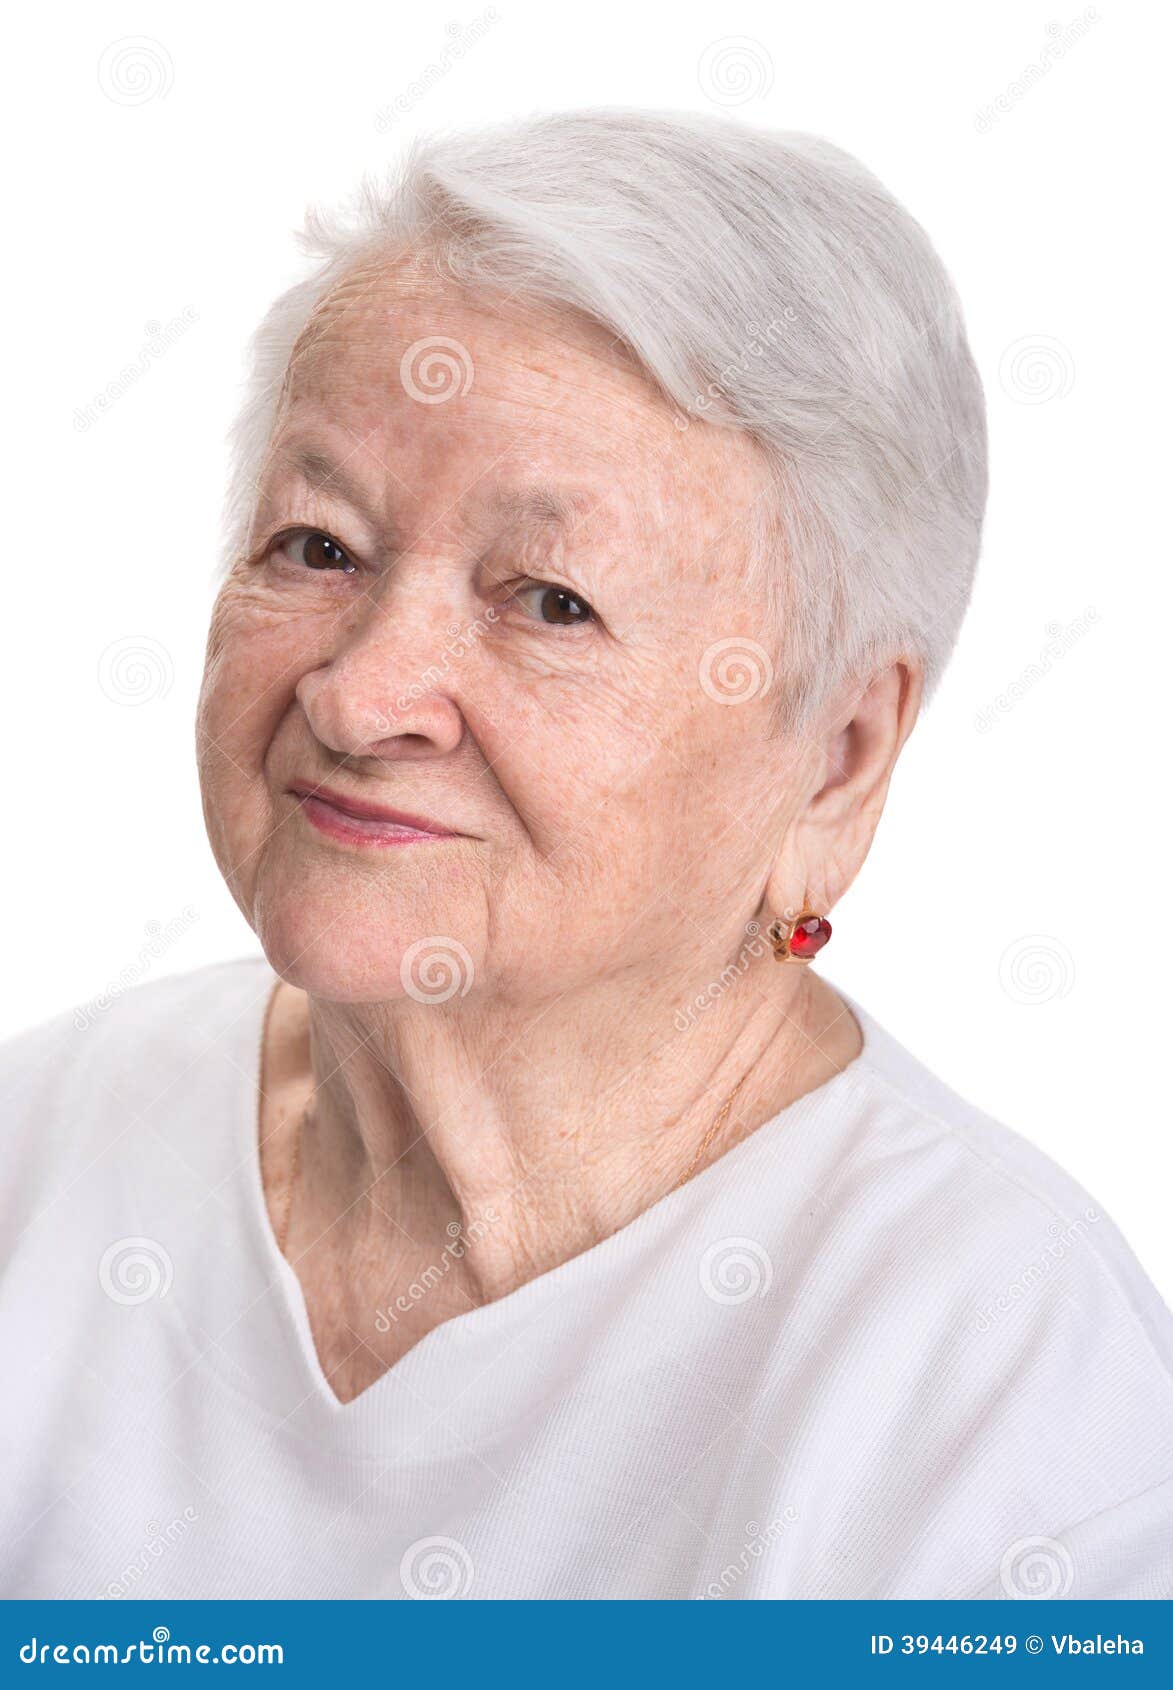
(765,281)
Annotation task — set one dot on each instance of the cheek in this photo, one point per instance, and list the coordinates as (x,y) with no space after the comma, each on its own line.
(250,672)
(565,749)
(255,657)
(630,792)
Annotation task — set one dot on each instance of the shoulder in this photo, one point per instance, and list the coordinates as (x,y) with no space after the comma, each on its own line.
(1011,1228)
(109,1059)
(1016,1361)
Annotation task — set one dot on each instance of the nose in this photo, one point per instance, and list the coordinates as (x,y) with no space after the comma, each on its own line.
(384,692)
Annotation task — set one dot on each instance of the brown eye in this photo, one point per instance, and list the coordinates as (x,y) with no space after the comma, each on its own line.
(318,551)
(556,605)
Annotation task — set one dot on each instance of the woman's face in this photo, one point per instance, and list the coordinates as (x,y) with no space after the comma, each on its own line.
(491,583)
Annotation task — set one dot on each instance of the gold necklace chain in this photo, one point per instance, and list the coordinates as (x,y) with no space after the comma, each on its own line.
(283,1233)
(287,1207)
(718,1123)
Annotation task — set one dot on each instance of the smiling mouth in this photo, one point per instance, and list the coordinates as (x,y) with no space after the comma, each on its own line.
(354,822)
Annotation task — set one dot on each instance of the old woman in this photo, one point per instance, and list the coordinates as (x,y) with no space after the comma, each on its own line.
(532,1217)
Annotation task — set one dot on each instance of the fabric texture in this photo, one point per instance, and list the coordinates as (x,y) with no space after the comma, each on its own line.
(881,1348)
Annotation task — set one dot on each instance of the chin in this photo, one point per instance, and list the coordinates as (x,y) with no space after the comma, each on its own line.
(340,944)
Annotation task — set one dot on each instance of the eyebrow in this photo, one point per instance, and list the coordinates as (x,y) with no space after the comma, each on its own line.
(558,507)
(545,502)
(325,476)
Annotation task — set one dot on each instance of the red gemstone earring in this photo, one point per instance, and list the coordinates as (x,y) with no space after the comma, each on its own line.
(800,939)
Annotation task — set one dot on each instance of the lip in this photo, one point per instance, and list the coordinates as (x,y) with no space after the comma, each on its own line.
(354,821)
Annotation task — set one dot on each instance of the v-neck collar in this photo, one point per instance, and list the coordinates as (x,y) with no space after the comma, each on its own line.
(268,1342)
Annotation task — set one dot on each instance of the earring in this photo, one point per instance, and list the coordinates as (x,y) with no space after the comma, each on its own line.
(799,939)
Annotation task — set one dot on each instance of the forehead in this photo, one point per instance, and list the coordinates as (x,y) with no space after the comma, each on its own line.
(380,311)
(441,392)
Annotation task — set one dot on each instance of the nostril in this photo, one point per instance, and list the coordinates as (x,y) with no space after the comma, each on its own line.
(354,709)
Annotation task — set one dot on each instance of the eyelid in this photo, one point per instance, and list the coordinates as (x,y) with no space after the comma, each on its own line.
(513,590)
(526,578)
(291,531)
(527,583)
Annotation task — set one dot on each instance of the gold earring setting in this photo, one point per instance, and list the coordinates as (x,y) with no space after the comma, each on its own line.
(801,938)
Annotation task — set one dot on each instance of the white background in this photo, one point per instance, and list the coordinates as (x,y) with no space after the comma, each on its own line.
(1012,925)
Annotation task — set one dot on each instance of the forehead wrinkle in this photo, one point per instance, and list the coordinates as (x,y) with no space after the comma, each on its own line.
(370,314)
(546,397)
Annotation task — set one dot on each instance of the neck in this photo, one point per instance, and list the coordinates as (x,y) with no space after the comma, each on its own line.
(531,1135)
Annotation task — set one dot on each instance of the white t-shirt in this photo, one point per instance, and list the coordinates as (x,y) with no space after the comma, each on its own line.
(882,1348)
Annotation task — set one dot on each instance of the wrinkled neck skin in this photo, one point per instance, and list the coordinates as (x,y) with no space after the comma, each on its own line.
(480,1146)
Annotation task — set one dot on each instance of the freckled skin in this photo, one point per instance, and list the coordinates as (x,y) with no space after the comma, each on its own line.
(619,827)
(589,764)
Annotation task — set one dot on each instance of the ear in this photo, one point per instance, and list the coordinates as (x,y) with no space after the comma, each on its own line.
(851,753)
